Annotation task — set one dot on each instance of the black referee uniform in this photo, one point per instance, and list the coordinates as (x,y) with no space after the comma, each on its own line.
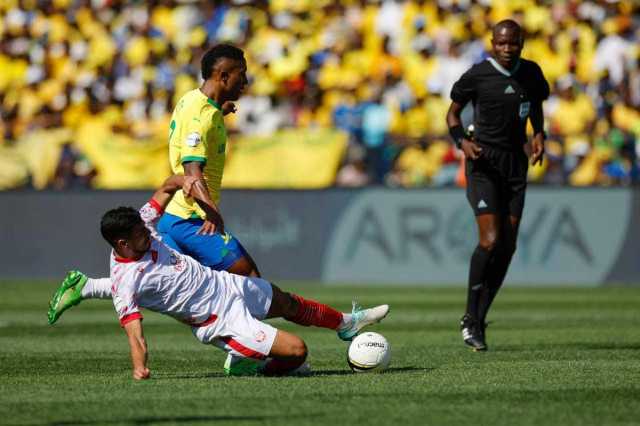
(502,99)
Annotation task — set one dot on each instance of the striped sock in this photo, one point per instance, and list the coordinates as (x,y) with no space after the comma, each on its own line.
(313,313)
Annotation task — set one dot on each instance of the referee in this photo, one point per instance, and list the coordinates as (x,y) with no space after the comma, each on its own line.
(505,90)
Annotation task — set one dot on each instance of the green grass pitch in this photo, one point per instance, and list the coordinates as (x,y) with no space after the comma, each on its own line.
(558,356)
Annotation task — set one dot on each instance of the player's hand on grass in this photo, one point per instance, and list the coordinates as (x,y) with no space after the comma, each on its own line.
(228,107)
(141,373)
(471,149)
(537,149)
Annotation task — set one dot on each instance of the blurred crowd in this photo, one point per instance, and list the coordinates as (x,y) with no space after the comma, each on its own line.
(381,70)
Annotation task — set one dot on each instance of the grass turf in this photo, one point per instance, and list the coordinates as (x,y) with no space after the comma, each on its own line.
(557,356)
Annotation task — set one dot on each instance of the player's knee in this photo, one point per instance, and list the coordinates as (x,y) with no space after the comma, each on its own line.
(489,239)
(488,242)
(298,349)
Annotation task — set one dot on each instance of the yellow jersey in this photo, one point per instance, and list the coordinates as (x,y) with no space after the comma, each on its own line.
(197,133)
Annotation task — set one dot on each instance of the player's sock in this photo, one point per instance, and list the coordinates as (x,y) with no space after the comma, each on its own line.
(477,279)
(495,278)
(311,312)
(97,288)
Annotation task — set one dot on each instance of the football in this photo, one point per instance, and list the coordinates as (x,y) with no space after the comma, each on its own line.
(369,352)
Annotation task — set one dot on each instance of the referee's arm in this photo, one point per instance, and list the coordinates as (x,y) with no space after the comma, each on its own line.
(537,143)
(471,149)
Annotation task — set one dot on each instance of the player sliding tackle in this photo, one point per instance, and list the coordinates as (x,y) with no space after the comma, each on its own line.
(222,309)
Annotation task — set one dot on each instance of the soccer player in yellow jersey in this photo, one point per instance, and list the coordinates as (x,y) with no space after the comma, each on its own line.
(197,147)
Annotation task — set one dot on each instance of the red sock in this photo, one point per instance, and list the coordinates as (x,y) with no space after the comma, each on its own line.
(314,313)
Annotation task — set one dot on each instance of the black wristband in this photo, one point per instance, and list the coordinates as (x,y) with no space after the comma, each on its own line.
(457,134)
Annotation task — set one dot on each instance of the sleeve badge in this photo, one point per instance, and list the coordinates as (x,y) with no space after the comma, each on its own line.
(193,139)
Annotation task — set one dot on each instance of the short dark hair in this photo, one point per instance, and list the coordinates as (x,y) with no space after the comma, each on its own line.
(508,24)
(119,223)
(217,52)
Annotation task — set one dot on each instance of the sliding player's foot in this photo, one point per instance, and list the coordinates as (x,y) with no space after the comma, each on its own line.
(361,318)
(241,366)
(472,334)
(67,295)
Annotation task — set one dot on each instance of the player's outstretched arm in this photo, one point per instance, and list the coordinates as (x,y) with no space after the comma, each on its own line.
(193,186)
(138,349)
(165,193)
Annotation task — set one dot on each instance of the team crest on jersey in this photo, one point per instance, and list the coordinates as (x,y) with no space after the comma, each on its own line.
(193,139)
(178,264)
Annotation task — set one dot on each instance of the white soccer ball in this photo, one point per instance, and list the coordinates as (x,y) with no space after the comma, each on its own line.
(369,352)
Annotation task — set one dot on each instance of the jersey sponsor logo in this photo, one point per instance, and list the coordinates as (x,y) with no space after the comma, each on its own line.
(193,139)
(509,90)
(524,109)
(482,204)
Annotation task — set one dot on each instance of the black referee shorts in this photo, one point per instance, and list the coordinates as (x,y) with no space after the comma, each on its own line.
(496,182)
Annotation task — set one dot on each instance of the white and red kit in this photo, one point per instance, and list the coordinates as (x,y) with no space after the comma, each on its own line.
(222,309)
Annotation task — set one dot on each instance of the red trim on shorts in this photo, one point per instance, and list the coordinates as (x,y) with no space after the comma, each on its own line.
(239,347)
(206,322)
(153,203)
(131,317)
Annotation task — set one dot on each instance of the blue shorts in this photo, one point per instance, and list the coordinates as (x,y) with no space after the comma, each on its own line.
(217,251)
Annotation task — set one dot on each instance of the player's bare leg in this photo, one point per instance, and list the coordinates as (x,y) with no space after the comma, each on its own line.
(254,266)
(470,326)
(244,266)
(307,312)
(287,356)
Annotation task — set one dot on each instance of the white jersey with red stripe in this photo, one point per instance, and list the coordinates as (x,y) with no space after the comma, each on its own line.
(166,281)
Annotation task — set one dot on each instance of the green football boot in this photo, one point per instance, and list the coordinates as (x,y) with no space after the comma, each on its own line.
(240,366)
(67,295)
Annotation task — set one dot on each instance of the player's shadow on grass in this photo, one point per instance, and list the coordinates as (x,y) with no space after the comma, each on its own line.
(393,370)
(315,373)
(189,376)
(160,420)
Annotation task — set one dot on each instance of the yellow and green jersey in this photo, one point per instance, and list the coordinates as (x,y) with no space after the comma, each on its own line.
(197,133)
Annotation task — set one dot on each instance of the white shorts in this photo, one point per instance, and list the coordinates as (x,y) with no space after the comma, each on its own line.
(238,329)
